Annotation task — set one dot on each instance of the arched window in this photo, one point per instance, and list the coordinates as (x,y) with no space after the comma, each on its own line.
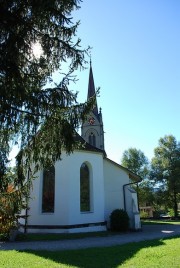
(48,190)
(84,188)
(92,139)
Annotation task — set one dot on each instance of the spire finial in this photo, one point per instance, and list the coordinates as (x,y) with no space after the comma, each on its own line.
(90,61)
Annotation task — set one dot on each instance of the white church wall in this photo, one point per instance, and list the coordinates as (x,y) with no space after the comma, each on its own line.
(67,193)
(95,164)
(34,208)
(132,208)
(114,179)
(107,180)
(129,205)
(36,217)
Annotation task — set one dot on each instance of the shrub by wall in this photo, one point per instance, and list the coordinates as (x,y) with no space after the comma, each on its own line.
(119,220)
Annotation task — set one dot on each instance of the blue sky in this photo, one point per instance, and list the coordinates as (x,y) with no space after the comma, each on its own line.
(136,63)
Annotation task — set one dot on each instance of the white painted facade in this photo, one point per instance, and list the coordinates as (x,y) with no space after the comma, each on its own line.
(114,179)
(106,182)
(67,195)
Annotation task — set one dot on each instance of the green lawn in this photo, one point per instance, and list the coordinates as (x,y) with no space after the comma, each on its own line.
(161,221)
(150,254)
(50,237)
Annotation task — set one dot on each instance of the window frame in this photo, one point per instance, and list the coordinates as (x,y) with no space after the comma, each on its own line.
(90,199)
(92,139)
(44,172)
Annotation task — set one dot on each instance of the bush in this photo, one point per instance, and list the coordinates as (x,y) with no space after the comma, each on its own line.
(171,212)
(144,215)
(119,220)
(4,237)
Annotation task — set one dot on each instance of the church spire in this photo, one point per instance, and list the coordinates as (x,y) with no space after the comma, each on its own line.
(92,129)
(91,89)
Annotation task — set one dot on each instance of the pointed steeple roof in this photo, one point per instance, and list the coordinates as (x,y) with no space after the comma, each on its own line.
(91,89)
(92,128)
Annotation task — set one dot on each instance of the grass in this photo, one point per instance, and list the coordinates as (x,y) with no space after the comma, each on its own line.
(50,237)
(150,254)
(161,221)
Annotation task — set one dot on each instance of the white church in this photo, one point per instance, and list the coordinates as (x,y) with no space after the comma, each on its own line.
(81,190)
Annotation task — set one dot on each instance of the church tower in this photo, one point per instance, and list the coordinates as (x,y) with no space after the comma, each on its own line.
(92,129)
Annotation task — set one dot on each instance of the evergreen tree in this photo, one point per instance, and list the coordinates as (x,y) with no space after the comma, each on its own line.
(43,120)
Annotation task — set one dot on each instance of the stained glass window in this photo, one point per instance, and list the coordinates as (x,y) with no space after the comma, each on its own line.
(48,190)
(84,188)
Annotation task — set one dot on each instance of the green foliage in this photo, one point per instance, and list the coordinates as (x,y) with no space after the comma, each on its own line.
(135,161)
(145,193)
(13,198)
(166,170)
(41,119)
(144,214)
(119,220)
(171,212)
(4,236)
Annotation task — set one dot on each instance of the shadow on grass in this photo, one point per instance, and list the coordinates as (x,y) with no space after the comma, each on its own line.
(97,257)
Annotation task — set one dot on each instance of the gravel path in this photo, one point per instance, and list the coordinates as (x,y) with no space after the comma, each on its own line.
(148,232)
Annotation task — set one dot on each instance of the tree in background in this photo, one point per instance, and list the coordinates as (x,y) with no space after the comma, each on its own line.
(146,193)
(161,203)
(166,169)
(137,162)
